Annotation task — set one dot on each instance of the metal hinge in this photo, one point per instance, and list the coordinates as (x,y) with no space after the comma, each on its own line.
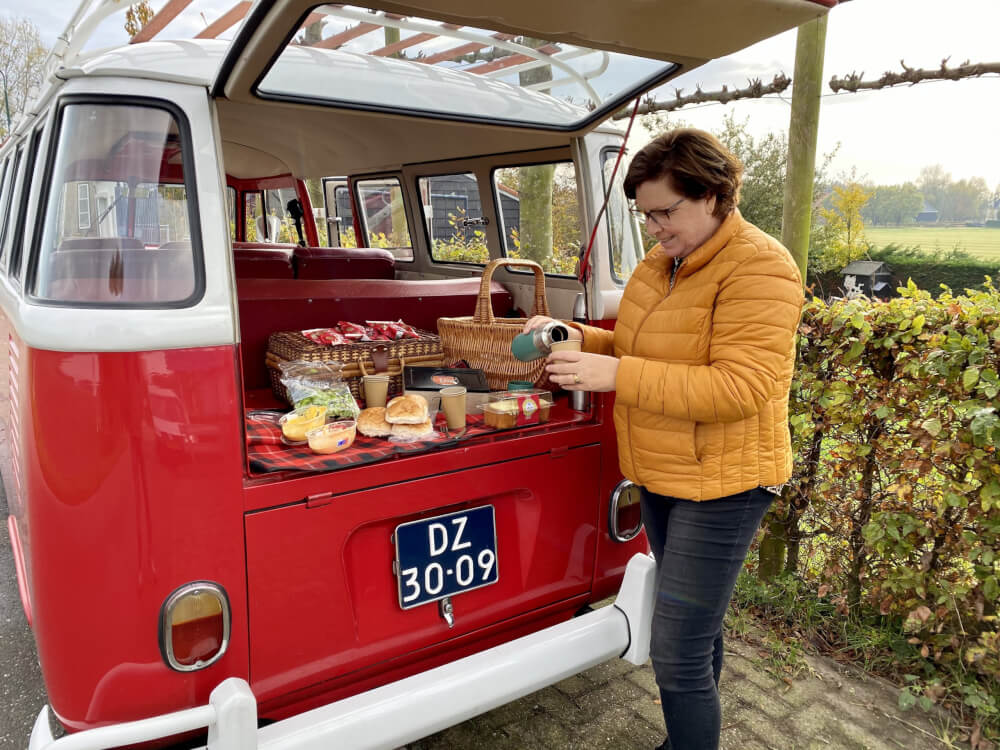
(559,451)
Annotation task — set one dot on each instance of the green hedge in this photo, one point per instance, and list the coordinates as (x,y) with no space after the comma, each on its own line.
(955,269)
(894,508)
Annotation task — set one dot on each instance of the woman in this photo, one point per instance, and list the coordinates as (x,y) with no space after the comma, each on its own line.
(701,362)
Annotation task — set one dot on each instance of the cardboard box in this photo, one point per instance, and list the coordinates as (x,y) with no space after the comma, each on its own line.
(427,381)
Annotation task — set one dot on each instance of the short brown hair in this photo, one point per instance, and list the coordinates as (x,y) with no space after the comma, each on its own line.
(696,164)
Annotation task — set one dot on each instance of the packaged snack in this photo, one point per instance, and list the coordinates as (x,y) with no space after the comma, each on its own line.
(326,336)
(393,330)
(296,424)
(508,409)
(353,331)
(319,384)
(332,437)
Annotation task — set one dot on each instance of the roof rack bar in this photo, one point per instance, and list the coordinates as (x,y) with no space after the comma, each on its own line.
(232,16)
(535,63)
(463,49)
(410,41)
(79,29)
(511,60)
(157,23)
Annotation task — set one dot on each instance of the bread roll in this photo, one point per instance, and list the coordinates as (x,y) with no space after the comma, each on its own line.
(371,422)
(412,431)
(408,409)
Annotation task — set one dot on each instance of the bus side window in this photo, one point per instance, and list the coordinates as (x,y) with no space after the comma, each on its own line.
(383,215)
(118,226)
(623,233)
(7,201)
(539,208)
(21,209)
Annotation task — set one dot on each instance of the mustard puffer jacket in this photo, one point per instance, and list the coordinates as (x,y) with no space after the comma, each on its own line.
(701,408)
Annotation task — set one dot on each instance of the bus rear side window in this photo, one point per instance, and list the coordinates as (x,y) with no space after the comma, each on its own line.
(117,216)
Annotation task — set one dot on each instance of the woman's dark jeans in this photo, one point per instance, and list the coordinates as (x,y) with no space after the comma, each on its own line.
(699,549)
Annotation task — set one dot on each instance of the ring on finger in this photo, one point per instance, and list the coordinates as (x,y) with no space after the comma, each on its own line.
(576,378)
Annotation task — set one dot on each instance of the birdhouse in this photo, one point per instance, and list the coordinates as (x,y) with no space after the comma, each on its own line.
(872,278)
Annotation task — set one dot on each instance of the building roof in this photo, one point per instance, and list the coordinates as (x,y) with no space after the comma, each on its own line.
(865,267)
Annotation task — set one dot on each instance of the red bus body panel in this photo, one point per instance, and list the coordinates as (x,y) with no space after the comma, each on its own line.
(133,465)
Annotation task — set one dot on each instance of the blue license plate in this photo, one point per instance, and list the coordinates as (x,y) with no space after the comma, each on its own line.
(445,555)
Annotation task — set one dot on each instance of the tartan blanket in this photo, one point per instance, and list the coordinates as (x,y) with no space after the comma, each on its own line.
(268,452)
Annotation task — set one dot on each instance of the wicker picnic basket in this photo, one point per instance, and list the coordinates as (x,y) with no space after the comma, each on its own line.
(358,358)
(483,340)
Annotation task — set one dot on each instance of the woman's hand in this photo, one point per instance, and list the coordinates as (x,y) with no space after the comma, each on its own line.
(579,371)
(540,320)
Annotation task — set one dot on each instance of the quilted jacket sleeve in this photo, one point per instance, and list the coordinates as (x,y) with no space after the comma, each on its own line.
(596,340)
(754,320)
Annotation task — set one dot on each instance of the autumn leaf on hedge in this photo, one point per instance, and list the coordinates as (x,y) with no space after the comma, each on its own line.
(932,426)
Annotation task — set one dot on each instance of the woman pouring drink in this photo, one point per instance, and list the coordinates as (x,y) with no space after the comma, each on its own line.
(700,361)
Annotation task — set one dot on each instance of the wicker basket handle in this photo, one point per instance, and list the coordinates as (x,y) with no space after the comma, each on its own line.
(484,305)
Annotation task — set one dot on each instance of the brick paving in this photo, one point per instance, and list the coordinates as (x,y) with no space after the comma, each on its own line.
(616,706)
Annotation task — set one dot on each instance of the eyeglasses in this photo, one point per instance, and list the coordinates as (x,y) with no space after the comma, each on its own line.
(658,216)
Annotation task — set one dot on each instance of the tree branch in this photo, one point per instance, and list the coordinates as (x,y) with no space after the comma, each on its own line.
(754,90)
(853,82)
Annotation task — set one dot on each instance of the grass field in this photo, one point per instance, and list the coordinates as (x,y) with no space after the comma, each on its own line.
(978,241)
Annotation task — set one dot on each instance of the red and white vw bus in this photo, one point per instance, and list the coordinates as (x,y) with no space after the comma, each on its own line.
(165,206)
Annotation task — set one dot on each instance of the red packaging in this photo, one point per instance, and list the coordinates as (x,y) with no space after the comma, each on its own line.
(394,329)
(326,336)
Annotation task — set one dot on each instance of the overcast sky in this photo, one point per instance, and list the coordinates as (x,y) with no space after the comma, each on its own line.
(886,135)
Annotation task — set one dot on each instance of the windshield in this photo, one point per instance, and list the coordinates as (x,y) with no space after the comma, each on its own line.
(410,64)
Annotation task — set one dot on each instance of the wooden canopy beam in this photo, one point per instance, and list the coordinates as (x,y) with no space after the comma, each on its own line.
(402,44)
(232,16)
(157,23)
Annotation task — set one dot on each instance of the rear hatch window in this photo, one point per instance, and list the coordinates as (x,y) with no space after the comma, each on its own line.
(418,66)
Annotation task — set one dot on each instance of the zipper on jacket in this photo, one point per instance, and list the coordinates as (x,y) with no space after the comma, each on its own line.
(678,262)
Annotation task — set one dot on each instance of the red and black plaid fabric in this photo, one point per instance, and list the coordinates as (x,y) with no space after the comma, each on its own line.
(268,452)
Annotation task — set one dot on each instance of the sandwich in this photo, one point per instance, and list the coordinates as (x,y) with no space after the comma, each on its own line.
(410,409)
(371,422)
(412,431)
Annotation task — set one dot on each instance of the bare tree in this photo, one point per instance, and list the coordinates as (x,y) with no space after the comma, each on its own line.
(22,57)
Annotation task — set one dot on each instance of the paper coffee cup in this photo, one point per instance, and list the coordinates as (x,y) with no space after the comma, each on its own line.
(453,406)
(565,346)
(376,388)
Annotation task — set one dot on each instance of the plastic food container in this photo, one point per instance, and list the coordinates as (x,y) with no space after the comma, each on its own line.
(297,423)
(507,409)
(332,437)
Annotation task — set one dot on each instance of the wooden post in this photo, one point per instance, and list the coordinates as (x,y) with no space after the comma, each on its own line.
(796,215)
(802,132)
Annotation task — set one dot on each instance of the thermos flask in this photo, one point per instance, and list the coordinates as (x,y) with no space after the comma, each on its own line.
(537,343)
(579,400)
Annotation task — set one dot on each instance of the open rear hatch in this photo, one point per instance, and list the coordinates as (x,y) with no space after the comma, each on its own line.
(361,575)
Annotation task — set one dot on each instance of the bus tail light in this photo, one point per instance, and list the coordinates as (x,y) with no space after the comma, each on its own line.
(624,512)
(194,626)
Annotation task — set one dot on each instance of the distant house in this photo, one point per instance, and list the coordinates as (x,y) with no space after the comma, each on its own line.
(928,214)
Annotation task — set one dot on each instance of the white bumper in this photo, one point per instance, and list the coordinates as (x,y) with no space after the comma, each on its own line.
(403,711)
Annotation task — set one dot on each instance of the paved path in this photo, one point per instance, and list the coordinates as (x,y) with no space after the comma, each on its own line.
(615,706)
